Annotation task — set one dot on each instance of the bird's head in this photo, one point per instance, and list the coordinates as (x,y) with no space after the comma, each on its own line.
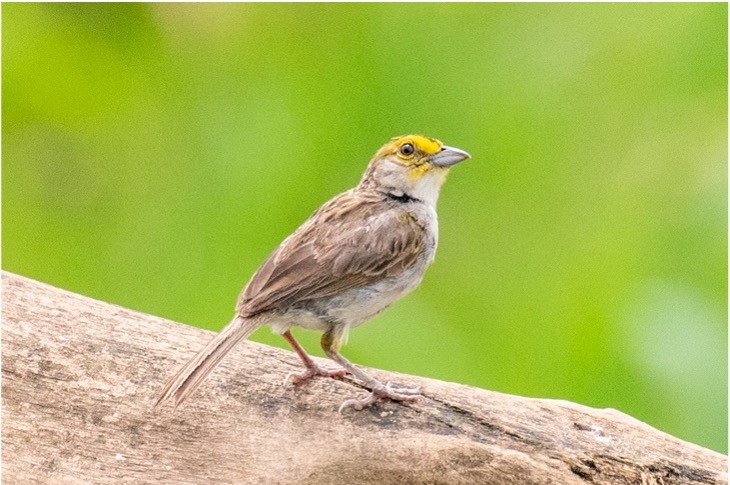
(412,165)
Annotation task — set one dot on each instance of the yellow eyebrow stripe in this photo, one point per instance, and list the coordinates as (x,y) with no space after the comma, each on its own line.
(425,145)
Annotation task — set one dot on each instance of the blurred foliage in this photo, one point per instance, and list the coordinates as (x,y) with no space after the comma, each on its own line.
(154,154)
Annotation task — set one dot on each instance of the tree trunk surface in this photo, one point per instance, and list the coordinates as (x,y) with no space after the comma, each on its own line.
(80,378)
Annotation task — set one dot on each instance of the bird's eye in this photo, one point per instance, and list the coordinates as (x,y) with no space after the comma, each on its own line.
(407,150)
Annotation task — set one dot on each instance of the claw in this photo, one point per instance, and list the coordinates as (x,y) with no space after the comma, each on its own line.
(297,378)
(407,394)
(408,391)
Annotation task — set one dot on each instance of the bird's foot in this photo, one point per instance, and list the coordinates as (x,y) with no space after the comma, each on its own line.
(380,392)
(313,371)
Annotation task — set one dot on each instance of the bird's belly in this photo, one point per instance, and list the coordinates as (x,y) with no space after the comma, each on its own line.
(358,305)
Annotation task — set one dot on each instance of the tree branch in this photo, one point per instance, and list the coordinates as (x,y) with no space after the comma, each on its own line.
(80,377)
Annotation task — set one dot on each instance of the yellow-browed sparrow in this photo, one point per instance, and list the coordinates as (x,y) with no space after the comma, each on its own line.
(357,254)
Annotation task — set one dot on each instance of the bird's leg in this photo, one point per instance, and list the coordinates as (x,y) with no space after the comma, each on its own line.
(312,368)
(331,341)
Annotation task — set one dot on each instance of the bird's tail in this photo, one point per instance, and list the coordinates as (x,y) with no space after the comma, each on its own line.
(192,374)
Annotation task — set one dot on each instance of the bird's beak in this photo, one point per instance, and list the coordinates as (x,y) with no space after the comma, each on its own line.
(449,156)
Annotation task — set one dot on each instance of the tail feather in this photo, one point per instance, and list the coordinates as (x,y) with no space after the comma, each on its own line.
(192,374)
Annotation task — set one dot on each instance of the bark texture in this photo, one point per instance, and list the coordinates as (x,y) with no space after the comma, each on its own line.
(80,376)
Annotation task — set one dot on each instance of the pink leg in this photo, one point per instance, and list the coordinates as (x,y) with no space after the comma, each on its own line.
(312,368)
(379,391)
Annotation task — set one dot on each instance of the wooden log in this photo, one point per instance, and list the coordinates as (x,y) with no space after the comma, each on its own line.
(80,377)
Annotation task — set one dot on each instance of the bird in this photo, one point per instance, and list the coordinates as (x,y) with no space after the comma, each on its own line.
(352,258)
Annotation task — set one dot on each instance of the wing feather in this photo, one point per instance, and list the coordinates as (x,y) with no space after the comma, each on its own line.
(354,240)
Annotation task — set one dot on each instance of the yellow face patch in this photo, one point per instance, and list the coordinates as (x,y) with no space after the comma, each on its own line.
(415,159)
(415,172)
(422,144)
(427,146)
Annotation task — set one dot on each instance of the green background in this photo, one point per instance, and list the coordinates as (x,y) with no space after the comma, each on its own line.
(154,154)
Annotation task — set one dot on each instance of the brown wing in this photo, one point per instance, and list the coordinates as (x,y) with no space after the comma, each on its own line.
(353,240)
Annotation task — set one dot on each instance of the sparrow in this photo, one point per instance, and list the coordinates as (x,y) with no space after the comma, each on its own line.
(357,254)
